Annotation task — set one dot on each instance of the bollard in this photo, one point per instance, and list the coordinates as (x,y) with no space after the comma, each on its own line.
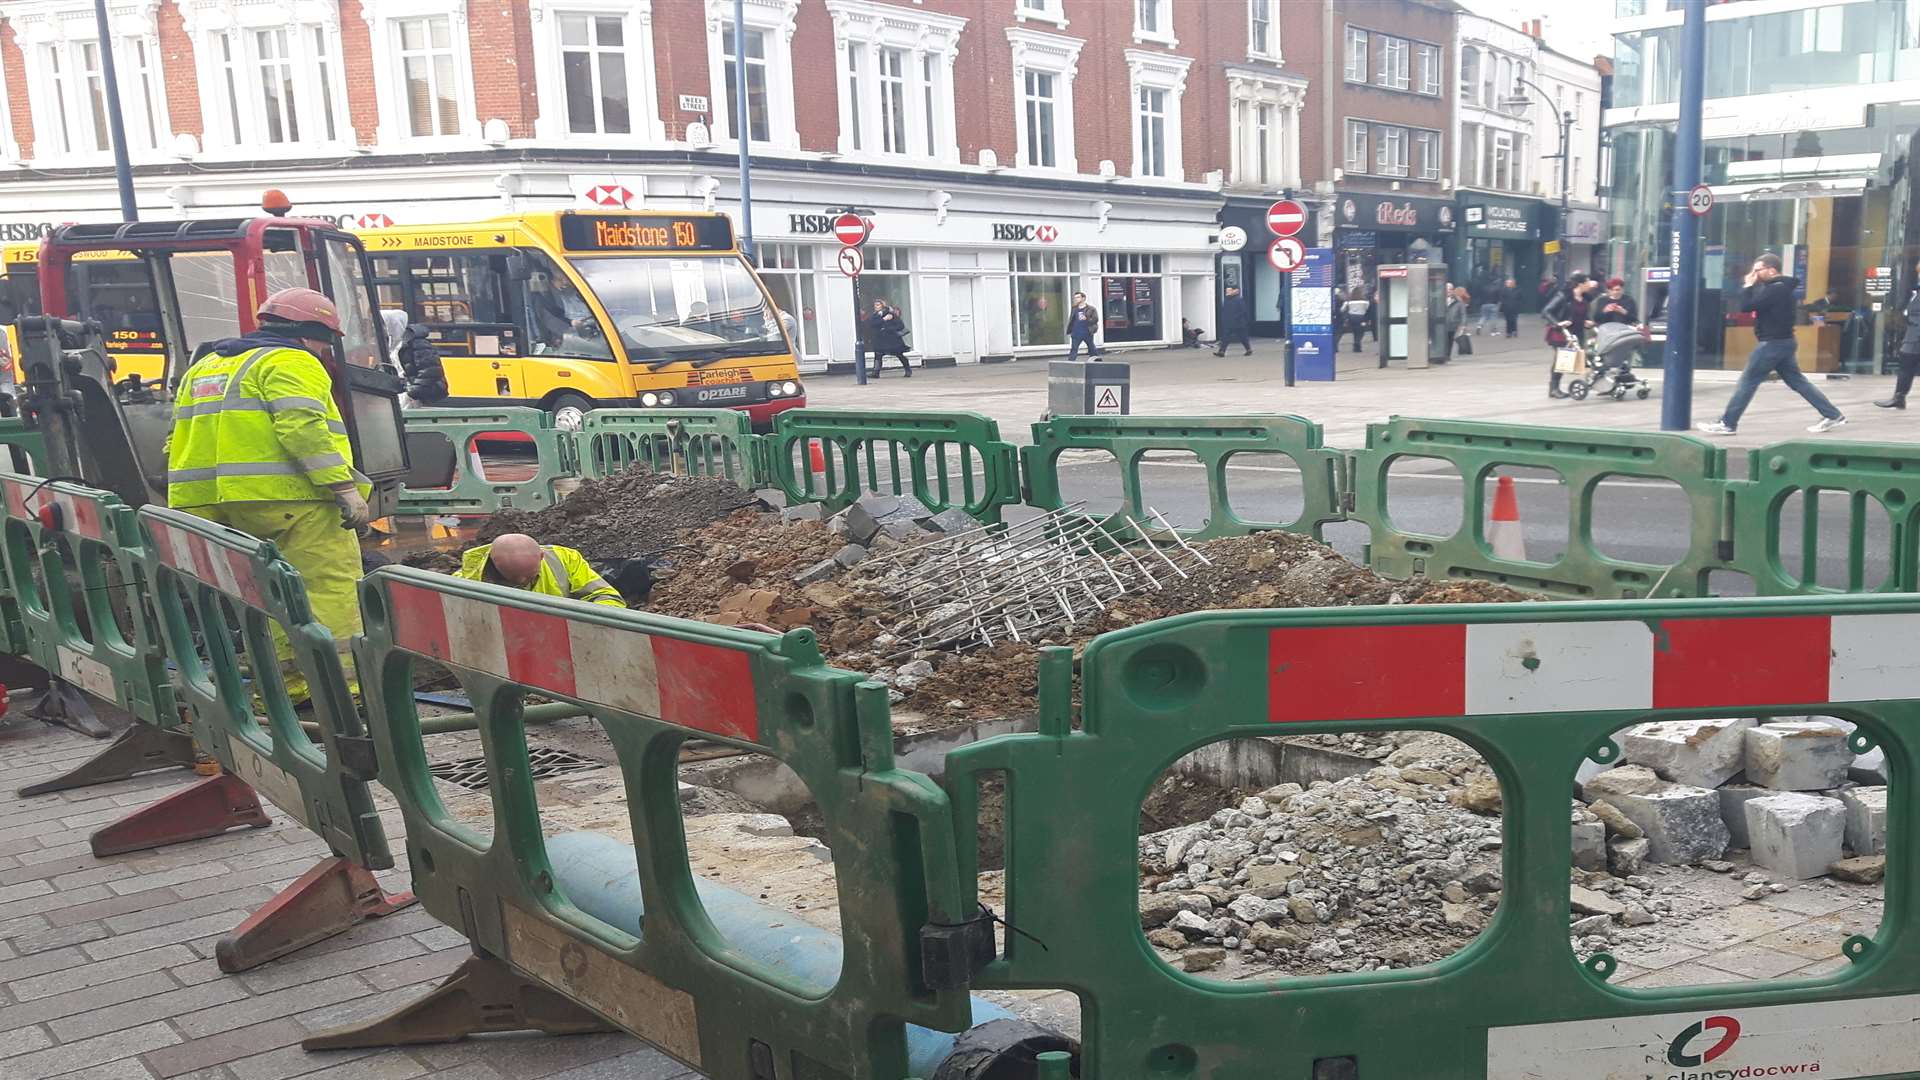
(599,876)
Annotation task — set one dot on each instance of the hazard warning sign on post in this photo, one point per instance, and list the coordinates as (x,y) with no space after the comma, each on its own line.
(1107,399)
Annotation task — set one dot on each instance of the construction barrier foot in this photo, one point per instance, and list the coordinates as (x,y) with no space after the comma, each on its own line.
(482,995)
(208,808)
(63,705)
(142,748)
(336,895)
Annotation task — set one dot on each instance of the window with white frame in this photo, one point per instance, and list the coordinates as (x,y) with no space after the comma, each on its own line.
(1159,81)
(59,41)
(1266,127)
(1357,144)
(1263,41)
(1153,21)
(1426,155)
(768,61)
(1393,64)
(1053,11)
(595,57)
(1502,163)
(423,70)
(1468,171)
(1427,63)
(269,78)
(1389,150)
(896,65)
(1469,72)
(1358,46)
(1043,286)
(1043,70)
(788,271)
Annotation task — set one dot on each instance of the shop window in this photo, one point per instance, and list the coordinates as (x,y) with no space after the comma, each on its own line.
(787,270)
(1043,283)
(1129,298)
(886,277)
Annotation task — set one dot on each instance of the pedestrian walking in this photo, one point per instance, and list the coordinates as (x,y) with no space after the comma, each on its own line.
(1769,294)
(889,338)
(1083,321)
(1909,355)
(1567,320)
(1510,306)
(1354,314)
(1488,296)
(1235,324)
(1455,321)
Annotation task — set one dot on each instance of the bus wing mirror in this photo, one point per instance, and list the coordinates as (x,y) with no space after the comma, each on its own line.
(519,268)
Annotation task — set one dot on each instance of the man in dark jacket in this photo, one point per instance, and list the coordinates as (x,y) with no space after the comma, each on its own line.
(889,338)
(1082,322)
(1769,294)
(1510,306)
(1234,323)
(1909,351)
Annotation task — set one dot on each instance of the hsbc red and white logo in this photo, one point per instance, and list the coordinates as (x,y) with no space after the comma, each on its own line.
(615,196)
(1030,234)
(375,220)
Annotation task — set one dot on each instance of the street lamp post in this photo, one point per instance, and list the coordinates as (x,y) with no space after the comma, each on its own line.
(1566,143)
(116,124)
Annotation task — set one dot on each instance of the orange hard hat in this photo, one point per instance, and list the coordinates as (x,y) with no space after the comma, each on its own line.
(302,306)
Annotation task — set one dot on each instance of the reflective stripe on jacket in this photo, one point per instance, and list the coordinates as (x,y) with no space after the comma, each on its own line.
(563,572)
(256,426)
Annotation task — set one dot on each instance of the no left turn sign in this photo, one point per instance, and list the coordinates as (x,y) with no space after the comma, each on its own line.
(851,261)
(1286,254)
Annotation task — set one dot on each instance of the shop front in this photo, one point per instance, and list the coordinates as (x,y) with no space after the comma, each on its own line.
(1499,238)
(1586,236)
(1371,231)
(1249,269)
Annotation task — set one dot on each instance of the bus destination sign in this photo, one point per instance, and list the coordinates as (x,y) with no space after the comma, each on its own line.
(603,232)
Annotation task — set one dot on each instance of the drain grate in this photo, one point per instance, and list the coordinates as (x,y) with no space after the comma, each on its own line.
(547,762)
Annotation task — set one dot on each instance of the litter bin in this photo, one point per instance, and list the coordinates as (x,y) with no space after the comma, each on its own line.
(1090,388)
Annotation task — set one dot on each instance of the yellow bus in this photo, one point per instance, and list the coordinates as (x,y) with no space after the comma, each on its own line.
(570,311)
(111,287)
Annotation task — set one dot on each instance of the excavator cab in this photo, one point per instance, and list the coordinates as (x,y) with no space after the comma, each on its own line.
(204,282)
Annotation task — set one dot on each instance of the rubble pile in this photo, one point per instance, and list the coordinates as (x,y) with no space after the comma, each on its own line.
(634,514)
(1788,789)
(1394,868)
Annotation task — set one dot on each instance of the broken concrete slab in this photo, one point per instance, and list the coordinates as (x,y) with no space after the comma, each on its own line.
(1589,844)
(1681,823)
(951,520)
(1805,755)
(854,523)
(1733,810)
(1797,836)
(850,555)
(1591,902)
(1699,753)
(1861,869)
(1626,858)
(819,571)
(1616,822)
(803,512)
(1866,819)
(1869,768)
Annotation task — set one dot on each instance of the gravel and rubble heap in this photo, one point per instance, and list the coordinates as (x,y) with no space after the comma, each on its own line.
(629,515)
(1394,868)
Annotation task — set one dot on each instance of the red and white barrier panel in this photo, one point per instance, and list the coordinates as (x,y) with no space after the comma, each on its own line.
(1385,672)
(25,498)
(686,683)
(224,568)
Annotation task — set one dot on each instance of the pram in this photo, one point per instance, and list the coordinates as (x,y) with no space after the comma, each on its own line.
(1608,364)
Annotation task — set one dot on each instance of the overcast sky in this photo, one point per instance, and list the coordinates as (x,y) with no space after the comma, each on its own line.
(1578,28)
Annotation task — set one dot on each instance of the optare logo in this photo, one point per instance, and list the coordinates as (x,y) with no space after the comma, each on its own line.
(1681,1051)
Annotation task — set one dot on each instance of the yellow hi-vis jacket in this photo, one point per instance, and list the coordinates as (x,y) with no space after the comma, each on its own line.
(256,425)
(563,572)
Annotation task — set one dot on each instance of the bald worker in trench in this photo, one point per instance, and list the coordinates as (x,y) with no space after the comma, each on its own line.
(518,561)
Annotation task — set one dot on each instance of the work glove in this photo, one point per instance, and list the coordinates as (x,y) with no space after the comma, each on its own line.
(354,513)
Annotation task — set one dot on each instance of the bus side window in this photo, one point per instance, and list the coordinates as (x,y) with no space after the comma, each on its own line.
(462,300)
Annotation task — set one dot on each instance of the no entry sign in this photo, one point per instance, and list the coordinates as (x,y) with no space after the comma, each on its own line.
(850,229)
(1286,254)
(1286,217)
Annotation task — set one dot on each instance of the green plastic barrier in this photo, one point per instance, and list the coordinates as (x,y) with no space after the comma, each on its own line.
(1535,689)
(652,683)
(30,443)
(946,460)
(684,442)
(1215,441)
(1865,474)
(554,455)
(80,603)
(1583,458)
(205,577)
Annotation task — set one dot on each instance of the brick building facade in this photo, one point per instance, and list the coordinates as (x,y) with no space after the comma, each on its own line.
(1012,151)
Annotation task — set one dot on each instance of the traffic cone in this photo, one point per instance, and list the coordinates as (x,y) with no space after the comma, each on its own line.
(816,461)
(1503,527)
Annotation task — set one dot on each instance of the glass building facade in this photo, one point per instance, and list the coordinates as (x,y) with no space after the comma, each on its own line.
(1810,130)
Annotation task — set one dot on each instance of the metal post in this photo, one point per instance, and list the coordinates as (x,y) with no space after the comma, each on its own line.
(1286,326)
(740,127)
(859,351)
(1566,147)
(1676,396)
(116,125)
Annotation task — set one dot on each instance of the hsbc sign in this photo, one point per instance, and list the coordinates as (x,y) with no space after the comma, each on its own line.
(1017,233)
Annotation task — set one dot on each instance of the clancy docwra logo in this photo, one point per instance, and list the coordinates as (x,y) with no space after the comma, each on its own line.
(1679,1050)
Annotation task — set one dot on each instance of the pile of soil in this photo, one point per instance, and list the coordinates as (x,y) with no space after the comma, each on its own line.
(633,514)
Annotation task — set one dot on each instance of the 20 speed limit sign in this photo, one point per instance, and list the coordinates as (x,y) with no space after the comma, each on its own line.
(1700,200)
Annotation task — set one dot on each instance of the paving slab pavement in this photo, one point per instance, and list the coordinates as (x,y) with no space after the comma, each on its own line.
(1505,381)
